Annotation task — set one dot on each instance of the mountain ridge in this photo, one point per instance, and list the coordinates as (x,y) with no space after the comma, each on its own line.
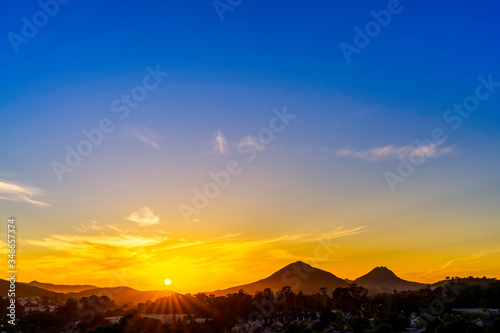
(62,288)
(297,275)
(381,279)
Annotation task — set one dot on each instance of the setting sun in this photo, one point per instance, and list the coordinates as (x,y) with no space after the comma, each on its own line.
(168,282)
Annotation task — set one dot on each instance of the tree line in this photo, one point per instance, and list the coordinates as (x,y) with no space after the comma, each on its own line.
(344,309)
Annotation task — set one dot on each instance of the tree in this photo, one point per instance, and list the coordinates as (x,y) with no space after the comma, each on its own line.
(383,328)
(495,325)
(67,312)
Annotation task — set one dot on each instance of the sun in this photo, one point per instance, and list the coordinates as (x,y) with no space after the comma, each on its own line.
(168,282)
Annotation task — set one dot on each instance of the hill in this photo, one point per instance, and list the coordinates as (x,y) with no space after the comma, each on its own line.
(61,288)
(123,295)
(25,290)
(298,275)
(381,279)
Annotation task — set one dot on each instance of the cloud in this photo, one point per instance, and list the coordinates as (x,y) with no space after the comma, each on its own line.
(432,150)
(145,135)
(465,265)
(81,243)
(94,225)
(248,141)
(280,254)
(220,144)
(341,232)
(21,193)
(144,216)
(97,253)
(333,234)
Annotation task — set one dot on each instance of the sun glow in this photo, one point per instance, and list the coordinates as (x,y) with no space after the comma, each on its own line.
(168,282)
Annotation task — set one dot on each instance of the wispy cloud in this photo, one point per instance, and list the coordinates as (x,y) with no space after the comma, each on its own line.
(220,144)
(392,151)
(144,216)
(145,135)
(85,243)
(280,254)
(332,234)
(97,253)
(21,193)
(248,141)
(94,225)
(464,265)
(341,232)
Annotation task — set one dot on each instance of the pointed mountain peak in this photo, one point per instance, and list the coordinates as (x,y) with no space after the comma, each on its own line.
(382,270)
(296,265)
(300,263)
(383,279)
(379,273)
(298,275)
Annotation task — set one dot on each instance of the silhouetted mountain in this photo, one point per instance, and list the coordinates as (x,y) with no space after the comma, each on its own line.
(25,290)
(381,279)
(298,275)
(123,295)
(61,288)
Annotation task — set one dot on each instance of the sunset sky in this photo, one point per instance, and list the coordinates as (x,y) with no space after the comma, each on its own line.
(309,135)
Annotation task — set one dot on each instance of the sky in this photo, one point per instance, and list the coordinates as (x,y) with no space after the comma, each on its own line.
(213,143)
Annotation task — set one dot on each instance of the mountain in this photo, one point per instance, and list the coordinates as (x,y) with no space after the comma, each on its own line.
(25,290)
(381,279)
(62,288)
(298,275)
(123,295)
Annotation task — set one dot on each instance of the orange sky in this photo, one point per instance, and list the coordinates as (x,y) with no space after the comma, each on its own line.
(109,256)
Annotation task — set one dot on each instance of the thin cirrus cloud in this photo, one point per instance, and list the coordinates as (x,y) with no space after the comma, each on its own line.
(145,135)
(248,141)
(392,151)
(85,243)
(476,261)
(120,251)
(144,216)
(220,144)
(21,193)
(94,225)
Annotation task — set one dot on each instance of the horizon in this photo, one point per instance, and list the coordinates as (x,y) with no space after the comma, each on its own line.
(448,278)
(205,147)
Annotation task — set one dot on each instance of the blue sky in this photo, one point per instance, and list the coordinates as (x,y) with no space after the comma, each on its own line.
(228,76)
